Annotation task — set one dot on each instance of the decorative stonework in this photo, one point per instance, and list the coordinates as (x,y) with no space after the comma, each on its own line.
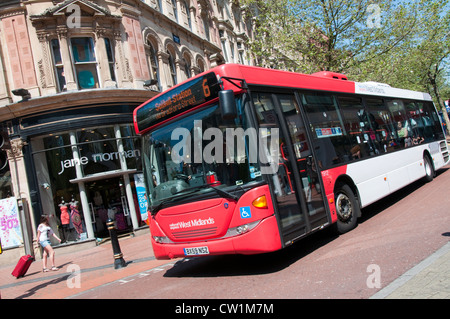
(16,148)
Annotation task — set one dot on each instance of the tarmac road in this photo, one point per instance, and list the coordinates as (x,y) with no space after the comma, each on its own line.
(395,237)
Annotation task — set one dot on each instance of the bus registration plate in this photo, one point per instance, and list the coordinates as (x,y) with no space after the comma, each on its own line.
(195,251)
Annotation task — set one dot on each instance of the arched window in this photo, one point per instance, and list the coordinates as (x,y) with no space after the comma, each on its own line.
(206,26)
(172,68)
(152,59)
(187,65)
(201,65)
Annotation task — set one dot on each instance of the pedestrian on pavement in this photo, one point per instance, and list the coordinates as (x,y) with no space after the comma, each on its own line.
(44,234)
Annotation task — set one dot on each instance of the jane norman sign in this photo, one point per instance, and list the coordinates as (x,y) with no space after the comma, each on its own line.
(98,158)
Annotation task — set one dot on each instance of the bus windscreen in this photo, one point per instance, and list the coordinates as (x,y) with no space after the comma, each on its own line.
(176,101)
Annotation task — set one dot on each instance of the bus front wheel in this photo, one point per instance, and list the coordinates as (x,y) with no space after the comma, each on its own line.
(347,209)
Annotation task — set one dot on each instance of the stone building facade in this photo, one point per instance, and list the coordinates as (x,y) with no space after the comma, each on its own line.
(71,74)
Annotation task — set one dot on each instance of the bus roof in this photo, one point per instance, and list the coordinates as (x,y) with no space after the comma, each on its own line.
(320,81)
(323,81)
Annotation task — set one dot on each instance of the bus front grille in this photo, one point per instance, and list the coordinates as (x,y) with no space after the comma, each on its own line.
(198,233)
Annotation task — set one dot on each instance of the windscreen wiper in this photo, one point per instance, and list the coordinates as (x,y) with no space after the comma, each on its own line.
(222,193)
(190,190)
(158,207)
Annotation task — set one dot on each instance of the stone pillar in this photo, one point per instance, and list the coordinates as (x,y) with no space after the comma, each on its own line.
(126,178)
(19,180)
(71,83)
(81,188)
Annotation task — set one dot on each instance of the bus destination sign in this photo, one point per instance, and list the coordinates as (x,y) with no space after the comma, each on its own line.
(176,101)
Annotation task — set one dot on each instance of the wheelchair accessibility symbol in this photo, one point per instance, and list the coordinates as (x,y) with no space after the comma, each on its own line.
(245,212)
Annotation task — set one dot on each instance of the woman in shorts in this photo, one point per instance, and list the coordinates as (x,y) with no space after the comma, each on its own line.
(44,233)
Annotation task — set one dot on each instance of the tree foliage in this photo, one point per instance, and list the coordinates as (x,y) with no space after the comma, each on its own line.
(402,43)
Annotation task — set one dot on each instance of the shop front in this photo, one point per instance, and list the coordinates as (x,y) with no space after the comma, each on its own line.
(86,176)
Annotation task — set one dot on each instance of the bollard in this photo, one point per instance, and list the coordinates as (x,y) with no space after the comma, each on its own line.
(119,262)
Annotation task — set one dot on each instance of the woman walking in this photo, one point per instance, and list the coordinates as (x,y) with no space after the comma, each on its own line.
(43,234)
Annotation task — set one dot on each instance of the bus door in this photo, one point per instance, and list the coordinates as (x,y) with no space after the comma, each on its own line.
(296,183)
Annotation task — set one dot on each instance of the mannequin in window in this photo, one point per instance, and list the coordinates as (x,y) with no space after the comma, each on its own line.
(76,218)
(98,200)
(65,219)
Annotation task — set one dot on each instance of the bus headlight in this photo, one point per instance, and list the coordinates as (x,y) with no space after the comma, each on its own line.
(242,229)
(162,240)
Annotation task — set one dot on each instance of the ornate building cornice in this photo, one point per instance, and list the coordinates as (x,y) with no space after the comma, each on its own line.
(12,12)
(17,145)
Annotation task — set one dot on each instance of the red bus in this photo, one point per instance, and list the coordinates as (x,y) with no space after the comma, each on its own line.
(247,160)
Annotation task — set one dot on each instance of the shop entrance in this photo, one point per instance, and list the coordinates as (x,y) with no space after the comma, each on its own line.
(107,199)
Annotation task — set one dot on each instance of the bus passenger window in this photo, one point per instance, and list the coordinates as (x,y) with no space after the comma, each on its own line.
(403,126)
(415,136)
(381,121)
(431,123)
(357,123)
(327,129)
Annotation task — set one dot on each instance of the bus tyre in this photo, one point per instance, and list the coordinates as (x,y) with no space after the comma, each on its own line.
(429,169)
(347,209)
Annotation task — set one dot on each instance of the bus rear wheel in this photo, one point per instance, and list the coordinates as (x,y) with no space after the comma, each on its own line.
(347,209)
(429,169)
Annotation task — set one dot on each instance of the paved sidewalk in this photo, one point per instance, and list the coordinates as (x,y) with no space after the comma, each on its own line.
(428,279)
(95,265)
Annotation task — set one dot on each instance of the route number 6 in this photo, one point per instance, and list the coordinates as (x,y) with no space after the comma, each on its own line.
(206,90)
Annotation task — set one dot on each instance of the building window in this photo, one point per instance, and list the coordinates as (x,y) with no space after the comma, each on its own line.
(85,63)
(187,67)
(157,5)
(175,9)
(153,63)
(241,53)
(172,68)
(223,41)
(201,66)
(111,62)
(188,14)
(96,152)
(206,26)
(58,65)
(232,50)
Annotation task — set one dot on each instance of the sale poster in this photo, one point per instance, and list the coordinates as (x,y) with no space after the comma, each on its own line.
(141,195)
(10,230)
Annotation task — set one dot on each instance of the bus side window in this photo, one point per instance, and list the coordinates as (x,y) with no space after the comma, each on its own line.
(415,131)
(432,125)
(381,121)
(400,119)
(327,129)
(361,136)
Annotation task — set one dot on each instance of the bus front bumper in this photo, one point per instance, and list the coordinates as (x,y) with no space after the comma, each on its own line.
(264,238)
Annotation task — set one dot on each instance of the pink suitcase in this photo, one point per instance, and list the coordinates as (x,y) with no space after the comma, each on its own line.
(22,266)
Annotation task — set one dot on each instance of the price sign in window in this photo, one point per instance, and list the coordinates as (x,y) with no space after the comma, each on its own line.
(10,230)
